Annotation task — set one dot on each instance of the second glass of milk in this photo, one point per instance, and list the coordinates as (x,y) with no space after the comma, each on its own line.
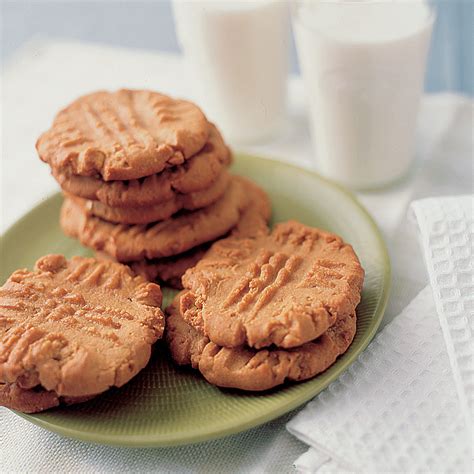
(237,53)
(363,64)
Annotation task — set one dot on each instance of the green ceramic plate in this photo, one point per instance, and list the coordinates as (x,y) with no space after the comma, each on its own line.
(165,405)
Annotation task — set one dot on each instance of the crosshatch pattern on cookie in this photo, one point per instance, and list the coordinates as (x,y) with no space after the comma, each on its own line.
(285,289)
(126,134)
(76,327)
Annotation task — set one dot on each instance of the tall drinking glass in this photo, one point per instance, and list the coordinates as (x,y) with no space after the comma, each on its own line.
(237,54)
(363,64)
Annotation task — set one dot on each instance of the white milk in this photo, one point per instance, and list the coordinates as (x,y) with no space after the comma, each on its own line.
(363,64)
(237,52)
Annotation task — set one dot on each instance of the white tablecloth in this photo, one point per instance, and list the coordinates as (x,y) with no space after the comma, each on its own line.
(45,76)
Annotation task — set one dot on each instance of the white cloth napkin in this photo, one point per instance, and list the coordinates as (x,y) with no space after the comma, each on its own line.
(43,77)
(404,405)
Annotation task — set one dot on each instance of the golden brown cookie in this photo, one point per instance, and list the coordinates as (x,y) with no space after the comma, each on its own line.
(74,327)
(196,174)
(286,288)
(162,239)
(251,369)
(252,222)
(156,212)
(126,134)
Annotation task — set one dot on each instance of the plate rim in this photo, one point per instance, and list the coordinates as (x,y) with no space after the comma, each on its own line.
(157,441)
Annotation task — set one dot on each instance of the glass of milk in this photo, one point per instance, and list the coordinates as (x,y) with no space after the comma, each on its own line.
(237,53)
(363,64)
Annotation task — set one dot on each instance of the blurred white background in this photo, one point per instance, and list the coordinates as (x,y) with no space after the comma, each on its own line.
(149,25)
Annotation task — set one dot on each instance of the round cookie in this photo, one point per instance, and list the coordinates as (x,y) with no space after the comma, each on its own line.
(71,329)
(162,239)
(286,288)
(156,212)
(195,174)
(126,134)
(252,222)
(250,369)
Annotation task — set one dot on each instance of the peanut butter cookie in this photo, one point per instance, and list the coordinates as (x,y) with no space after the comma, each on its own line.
(251,369)
(285,289)
(69,330)
(196,174)
(126,134)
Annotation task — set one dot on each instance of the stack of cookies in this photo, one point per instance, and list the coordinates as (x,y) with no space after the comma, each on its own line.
(146,181)
(255,312)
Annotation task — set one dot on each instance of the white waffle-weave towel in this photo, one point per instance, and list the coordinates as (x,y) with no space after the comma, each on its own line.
(447,238)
